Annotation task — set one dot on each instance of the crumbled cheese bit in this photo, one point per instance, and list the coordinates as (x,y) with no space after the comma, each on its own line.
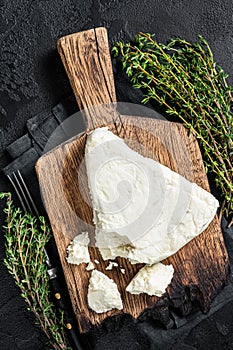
(78,249)
(152,280)
(103,294)
(122,271)
(111,265)
(96,261)
(90,266)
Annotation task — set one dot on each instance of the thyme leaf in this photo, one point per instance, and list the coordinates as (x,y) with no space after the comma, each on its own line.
(25,239)
(184,79)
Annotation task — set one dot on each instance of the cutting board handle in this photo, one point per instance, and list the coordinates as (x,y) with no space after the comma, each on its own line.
(87,61)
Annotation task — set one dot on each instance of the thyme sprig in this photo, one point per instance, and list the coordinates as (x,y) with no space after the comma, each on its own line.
(25,239)
(184,79)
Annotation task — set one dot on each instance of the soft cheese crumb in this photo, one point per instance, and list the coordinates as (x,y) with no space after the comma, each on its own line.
(96,261)
(111,265)
(90,266)
(152,280)
(78,249)
(123,271)
(103,294)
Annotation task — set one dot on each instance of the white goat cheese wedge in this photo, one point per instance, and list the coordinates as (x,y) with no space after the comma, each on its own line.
(78,249)
(103,294)
(90,266)
(151,279)
(142,210)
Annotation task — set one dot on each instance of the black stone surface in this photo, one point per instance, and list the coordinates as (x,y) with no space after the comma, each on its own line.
(32,79)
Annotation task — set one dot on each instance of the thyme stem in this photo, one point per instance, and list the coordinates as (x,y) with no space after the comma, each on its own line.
(183,78)
(25,239)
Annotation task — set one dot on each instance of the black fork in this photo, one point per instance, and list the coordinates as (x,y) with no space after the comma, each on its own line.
(28,205)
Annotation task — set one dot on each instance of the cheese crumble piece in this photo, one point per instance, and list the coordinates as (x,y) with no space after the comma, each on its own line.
(90,266)
(103,294)
(111,265)
(78,249)
(152,280)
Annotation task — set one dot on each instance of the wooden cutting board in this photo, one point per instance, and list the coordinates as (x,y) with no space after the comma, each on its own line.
(201,267)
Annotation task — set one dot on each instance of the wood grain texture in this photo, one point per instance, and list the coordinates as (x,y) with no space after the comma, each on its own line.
(85,56)
(201,267)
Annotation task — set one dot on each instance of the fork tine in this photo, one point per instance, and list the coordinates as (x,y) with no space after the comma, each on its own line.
(28,194)
(23,193)
(20,189)
(17,192)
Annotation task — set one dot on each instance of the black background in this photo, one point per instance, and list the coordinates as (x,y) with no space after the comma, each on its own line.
(32,78)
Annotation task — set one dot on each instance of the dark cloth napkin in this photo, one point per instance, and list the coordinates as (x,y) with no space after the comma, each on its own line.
(26,150)
(131,334)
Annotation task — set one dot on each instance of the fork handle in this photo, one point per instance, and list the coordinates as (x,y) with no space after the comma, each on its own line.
(69,319)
